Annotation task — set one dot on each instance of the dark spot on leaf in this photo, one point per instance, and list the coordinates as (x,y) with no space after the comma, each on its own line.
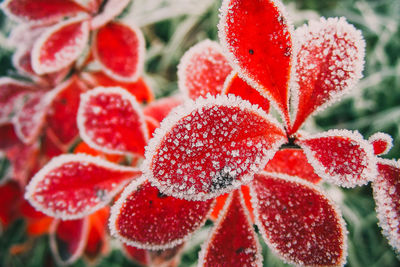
(161,195)
(63,101)
(239,250)
(288,52)
(221,180)
(101,194)
(151,202)
(251,51)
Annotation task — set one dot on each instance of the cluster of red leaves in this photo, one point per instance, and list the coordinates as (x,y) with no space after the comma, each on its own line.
(218,155)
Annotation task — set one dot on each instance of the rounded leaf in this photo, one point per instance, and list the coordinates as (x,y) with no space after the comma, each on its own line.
(206,148)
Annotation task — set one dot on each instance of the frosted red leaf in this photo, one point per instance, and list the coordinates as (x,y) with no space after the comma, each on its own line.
(206,148)
(24,35)
(257,38)
(235,85)
(386,193)
(21,60)
(40,11)
(381,142)
(11,96)
(140,88)
(145,218)
(73,186)
(110,120)
(203,70)
(160,108)
(61,116)
(60,45)
(292,162)
(68,239)
(110,10)
(30,119)
(341,157)
(329,63)
(233,241)
(298,222)
(120,50)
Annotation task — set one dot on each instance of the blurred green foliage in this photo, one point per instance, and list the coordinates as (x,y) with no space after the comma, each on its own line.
(373,106)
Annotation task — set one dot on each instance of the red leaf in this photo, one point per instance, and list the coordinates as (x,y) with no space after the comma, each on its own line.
(40,11)
(110,10)
(110,120)
(208,147)
(292,162)
(203,70)
(233,241)
(140,89)
(235,85)
(386,193)
(258,40)
(61,116)
(298,222)
(60,45)
(73,186)
(329,63)
(341,157)
(68,240)
(11,97)
(21,60)
(145,218)
(30,119)
(120,50)
(162,107)
(381,142)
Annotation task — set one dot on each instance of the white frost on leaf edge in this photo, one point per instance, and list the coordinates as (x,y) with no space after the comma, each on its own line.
(180,112)
(115,211)
(197,49)
(380,136)
(217,226)
(224,10)
(81,247)
(8,80)
(38,22)
(125,95)
(38,117)
(80,158)
(315,188)
(314,27)
(38,67)
(141,56)
(383,210)
(370,171)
